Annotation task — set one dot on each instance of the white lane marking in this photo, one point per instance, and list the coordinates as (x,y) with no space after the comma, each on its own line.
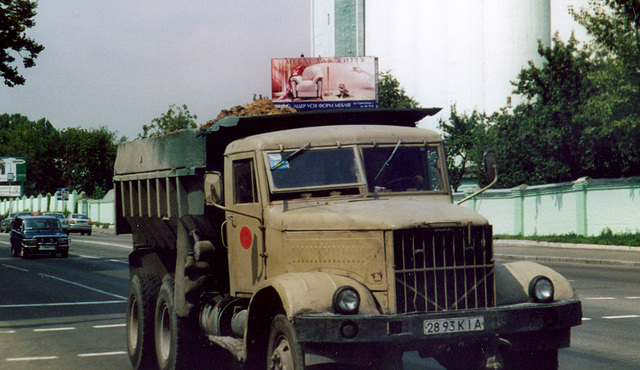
(15,268)
(118,261)
(83,286)
(69,328)
(7,331)
(599,298)
(586,319)
(2,242)
(58,304)
(620,317)
(109,244)
(109,326)
(16,359)
(89,257)
(631,297)
(116,353)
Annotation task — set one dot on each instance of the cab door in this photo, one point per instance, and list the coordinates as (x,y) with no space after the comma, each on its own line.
(244,226)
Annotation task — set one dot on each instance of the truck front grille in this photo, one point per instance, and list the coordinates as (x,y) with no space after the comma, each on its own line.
(443,269)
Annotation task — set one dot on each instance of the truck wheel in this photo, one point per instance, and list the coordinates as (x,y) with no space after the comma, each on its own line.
(171,334)
(544,360)
(143,292)
(284,351)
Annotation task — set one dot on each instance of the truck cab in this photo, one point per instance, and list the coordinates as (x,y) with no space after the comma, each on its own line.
(323,238)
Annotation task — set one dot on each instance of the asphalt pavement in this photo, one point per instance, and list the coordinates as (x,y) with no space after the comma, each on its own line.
(564,252)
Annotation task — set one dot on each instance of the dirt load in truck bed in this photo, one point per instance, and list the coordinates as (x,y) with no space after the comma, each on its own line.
(259,107)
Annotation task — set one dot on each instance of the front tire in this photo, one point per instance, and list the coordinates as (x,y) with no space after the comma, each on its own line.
(143,292)
(283,351)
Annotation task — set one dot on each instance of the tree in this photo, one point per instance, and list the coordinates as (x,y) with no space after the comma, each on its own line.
(15,17)
(391,94)
(613,114)
(38,142)
(176,118)
(86,159)
(465,137)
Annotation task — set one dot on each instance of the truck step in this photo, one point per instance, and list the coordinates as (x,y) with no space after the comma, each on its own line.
(231,344)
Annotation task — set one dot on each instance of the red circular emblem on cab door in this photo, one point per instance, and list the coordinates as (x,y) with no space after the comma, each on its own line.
(246,239)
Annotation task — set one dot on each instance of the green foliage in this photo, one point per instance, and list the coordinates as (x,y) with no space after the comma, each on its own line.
(15,17)
(86,161)
(75,158)
(606,237)
(176,118)
(465,137)
(391,94)
(580,110)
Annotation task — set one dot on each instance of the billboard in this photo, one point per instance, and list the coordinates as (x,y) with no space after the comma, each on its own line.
(324,83)
(13,169)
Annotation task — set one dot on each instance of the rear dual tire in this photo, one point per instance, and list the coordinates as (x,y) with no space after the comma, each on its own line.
(143,292)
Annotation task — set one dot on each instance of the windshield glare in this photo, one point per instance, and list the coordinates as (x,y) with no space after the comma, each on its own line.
(314,168)
(394,168)
(410,168)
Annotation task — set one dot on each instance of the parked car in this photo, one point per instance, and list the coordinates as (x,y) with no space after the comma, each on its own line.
(63,220)
(79,223)
(32,235)
(5,225)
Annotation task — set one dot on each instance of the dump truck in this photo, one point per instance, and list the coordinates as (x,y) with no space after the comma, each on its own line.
(331,237)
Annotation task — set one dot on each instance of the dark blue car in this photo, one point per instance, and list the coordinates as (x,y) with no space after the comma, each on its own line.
(32,235)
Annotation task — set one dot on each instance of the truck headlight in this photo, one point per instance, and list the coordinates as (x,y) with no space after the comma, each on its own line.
(346,300)
(541,289)
(63,241)
(29,242)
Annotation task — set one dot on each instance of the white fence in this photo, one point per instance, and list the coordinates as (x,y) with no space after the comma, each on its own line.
(582,207)
(100,211)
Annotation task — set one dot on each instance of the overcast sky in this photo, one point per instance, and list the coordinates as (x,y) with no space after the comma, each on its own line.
(120,64)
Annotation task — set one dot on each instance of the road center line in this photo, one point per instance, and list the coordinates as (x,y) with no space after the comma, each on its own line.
(109,326)
(7,331)
(83,286)
(620,317)
(15,268)
(599,298)
(54,329)
(16,359)
(24,305)
(123,246)
(116,353)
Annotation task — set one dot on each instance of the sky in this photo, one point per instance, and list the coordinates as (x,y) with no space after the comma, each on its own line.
(119,64)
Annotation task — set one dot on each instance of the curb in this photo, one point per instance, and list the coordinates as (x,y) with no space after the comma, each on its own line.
(512,257)
(551,245)
(532,243)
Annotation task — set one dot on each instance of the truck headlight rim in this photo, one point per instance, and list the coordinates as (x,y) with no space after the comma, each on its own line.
(541,289)
(346,300)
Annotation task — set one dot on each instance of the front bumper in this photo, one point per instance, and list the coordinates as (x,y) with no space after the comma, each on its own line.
(44,248)
(546,324)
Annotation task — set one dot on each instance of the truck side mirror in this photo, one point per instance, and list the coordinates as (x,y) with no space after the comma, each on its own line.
(490,163)
(213,188)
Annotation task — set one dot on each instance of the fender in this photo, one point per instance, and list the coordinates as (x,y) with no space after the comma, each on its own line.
(303,292)
(512,282)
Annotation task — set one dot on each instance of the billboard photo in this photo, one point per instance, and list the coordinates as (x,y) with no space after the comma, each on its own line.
(13,169)
(324,83)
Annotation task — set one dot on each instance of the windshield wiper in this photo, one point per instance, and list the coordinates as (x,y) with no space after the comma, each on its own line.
(384,166)
(290,157)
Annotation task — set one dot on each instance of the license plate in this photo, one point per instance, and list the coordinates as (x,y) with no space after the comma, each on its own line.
(47,247)
(453,325)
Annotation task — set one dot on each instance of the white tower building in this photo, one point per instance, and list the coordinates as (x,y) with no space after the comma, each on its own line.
(462,52)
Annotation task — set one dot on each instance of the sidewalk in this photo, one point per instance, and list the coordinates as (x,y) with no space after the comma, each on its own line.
(565,252)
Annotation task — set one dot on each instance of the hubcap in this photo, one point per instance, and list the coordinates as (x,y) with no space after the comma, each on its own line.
(165,333)
(132,325)
(282,359)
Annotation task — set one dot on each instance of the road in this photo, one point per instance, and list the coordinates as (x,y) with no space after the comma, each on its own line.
(60,313)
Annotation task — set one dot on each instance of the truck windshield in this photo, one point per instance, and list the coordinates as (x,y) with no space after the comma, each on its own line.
(314,168)
(410,168)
